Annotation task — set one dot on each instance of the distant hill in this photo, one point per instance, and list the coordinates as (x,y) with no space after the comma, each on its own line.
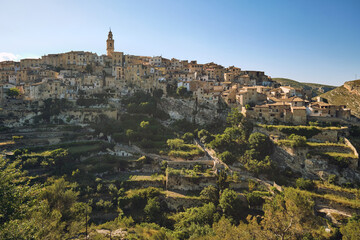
(316,87)
(348,94)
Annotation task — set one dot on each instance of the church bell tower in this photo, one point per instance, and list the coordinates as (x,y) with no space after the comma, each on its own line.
(110,44)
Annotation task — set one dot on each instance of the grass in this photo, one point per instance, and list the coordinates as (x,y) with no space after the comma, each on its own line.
(189,172)
(326,144)
(352,203)
(153,177)
(343,155)
(333,187)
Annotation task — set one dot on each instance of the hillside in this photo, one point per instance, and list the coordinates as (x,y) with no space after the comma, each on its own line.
(316,87)
(348,94)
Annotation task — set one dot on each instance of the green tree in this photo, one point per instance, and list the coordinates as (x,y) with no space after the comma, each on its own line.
(261,143)
(175,143)
(222,180)
(205,136)
(14,191)
(144,124)
(188,137)
(298,141)
(227,157)
(351,231)
(13,92)
(210,194)
(234,118)
(231,204)
(158,93)
(152,210)
(305,184)
(181,91)
(130,134)
(236,134)
(289,215)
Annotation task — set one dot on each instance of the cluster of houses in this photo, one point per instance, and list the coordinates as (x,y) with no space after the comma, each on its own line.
(78,74)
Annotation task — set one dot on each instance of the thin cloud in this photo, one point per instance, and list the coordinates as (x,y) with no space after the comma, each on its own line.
(4,56)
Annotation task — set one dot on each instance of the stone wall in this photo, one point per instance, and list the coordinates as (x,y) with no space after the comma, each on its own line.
(190,164)
(179,203)
(188,183)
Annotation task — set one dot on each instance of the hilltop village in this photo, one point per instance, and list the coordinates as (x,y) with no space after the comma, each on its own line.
(138,147)
(81,75)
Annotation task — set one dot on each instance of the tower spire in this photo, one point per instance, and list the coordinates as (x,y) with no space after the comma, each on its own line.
(110,43)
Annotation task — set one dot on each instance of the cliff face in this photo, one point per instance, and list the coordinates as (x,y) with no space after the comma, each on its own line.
(348,94)
(192,111)
(353,87)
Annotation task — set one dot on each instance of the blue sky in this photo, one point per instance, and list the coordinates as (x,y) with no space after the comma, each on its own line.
(305,40)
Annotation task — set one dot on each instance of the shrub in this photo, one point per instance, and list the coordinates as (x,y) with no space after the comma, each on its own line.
(227,157)
(305,184)
(188,137)
(175,143)
(255,198)
(210,194)
(297,140)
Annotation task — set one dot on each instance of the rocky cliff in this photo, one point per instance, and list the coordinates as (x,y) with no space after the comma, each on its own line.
(348,94)
(192,111)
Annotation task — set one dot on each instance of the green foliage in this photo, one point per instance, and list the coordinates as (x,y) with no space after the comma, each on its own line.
(222,180)
(188,137)
(256,198)
(158,93)
(332,179)
(305,184)
(261,143)
(180,149)
(227,157)
(53,107)
(298,141)
(14,192)
(237,134)
(289,215)
(252,162)
(181,91)
(234,118)
(13,92)
(351,231)
(231,204)
(210,194)
(306,131)
(205,136)
(175,143)
(144,124)
(200,216)
(152,210)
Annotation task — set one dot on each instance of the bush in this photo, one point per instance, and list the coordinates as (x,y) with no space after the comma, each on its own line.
(305,184)
(205,136)
(255,198)
(297,141)
(188,137)
(306,131)
(227,157)
(181,91)
(210,194)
